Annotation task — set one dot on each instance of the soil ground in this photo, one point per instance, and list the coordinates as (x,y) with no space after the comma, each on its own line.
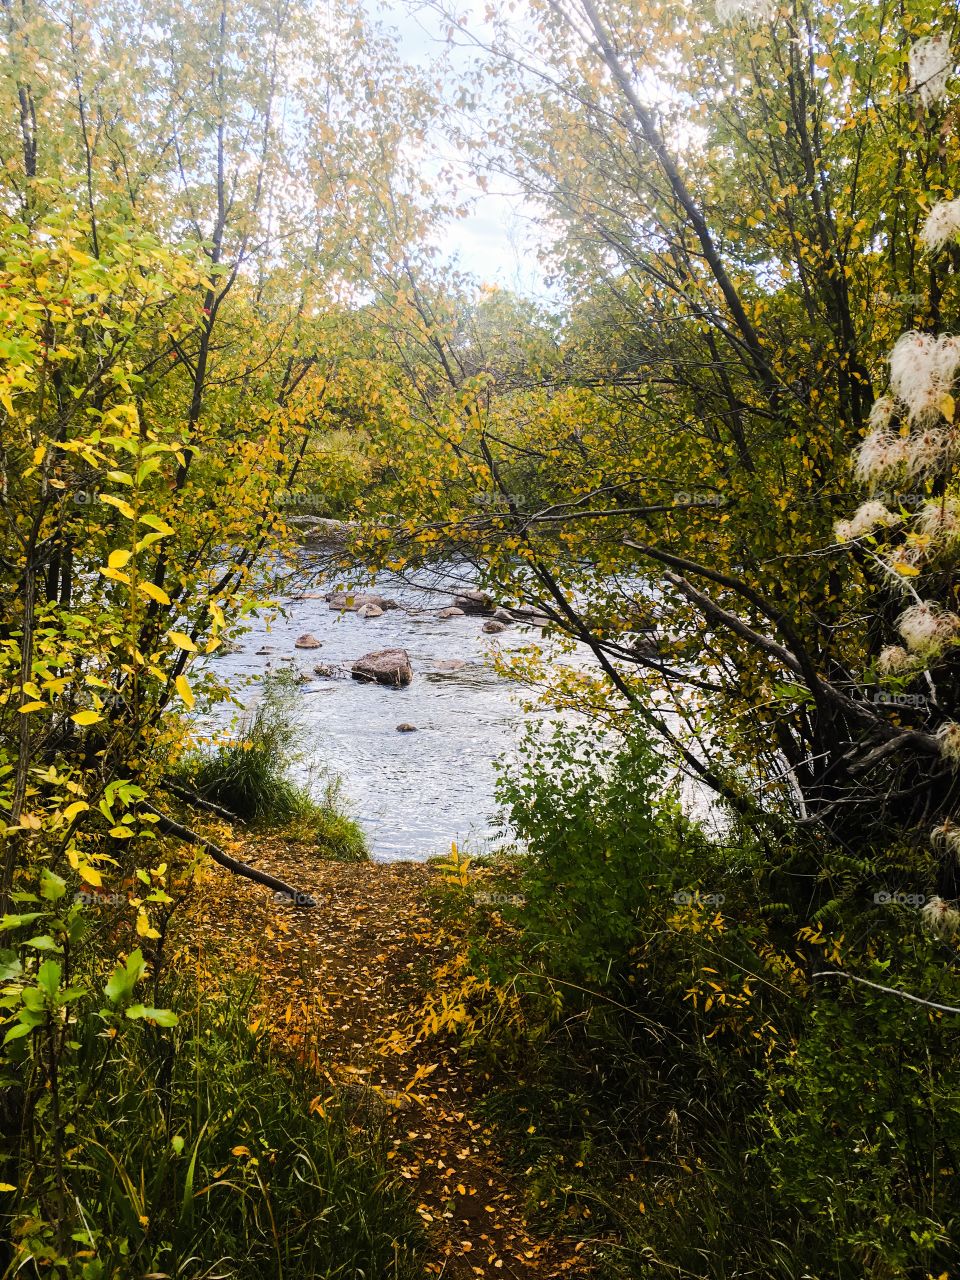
(355,969)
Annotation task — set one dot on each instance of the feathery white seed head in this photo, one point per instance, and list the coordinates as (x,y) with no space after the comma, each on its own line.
(881,413)
(939,520)
(942,224)
(940,918)
(948,736)
(930,67)
(928,451)
(945,838)
(881,454)
(926,626)
(871,515)
(922,371)
(893,660)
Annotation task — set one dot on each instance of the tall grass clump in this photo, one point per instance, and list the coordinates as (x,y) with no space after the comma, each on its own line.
(250,775)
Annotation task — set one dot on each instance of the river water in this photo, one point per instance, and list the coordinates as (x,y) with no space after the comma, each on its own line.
(413,793)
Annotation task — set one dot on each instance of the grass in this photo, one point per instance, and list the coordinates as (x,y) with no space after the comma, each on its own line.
(249,774)
(207,1153)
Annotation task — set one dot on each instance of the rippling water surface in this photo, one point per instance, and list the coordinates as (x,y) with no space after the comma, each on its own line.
(412,792)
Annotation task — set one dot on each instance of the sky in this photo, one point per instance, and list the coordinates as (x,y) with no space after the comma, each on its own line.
(497,242)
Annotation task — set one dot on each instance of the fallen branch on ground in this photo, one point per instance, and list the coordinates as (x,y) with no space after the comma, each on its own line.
(169,827)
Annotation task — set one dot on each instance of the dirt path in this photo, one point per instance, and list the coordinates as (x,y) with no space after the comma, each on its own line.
(355,970)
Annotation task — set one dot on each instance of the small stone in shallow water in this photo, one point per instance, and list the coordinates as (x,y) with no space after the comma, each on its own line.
(494,628)
(265,649)
(452,612)
(406,728)
(307,641)
(369,611)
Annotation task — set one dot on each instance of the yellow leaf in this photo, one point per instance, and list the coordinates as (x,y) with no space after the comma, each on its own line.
(124,508)
(90,874)
(239,1151)
(143,925)
(182,641)
(154,522)
(71,811)
(86,717)
(185,692)
(117,559)
(154,592)
(115,575)
(947,407)
(31,706)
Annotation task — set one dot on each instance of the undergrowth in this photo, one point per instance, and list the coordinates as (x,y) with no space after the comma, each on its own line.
(672,1086)
(203,1150)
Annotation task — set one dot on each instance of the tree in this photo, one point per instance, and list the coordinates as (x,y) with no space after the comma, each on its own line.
(736,200)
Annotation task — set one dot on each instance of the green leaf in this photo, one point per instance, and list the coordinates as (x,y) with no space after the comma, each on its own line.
(48,978)
(17,922)
(162,1017)
(17,1032)
(10,966)
(52,887)
(43,942)
(125,977)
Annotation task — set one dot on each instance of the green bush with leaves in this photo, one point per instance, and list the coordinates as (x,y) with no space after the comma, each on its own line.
(602,838)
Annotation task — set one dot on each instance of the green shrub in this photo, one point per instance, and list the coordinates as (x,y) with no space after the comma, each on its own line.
(602,842)
(675,1092)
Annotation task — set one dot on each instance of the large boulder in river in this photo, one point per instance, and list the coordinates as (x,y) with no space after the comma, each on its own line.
(347,601)
(384,666)
(474,602)
(307,641)
(369,611)
(493,628)
(452,612)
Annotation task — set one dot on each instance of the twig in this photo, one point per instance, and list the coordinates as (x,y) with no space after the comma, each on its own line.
(198,802)
(890,991)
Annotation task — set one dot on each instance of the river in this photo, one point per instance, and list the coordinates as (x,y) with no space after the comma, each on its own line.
(413,793)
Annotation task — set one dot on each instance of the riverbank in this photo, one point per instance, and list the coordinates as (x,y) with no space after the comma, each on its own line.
(346,981)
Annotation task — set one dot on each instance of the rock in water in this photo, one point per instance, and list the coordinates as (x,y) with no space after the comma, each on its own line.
(503,615)
(449,664)
(307,641)
(494,628)
(406,728)
(346,601)
(384,666)
(369,611)
(452,612)
(474,602)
